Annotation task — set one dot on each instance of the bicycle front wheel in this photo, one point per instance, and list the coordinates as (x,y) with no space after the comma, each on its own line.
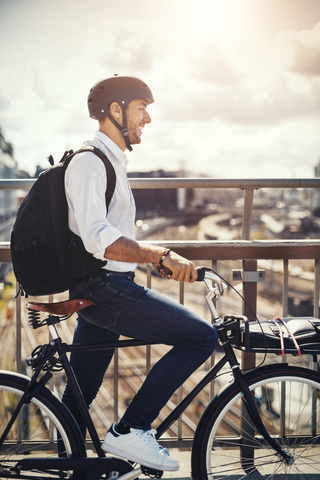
(35,431)
(227,445)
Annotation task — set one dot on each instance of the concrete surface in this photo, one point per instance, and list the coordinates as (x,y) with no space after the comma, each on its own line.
(184,458)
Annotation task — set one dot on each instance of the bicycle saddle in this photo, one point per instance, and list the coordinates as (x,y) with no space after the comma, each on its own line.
(66,307)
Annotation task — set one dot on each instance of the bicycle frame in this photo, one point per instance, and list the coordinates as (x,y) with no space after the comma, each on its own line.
(58,347)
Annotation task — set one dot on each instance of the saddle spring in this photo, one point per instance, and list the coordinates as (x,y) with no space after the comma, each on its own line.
(34,318)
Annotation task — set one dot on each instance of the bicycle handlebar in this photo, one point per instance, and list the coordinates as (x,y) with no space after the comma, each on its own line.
(202,273)
(205,274)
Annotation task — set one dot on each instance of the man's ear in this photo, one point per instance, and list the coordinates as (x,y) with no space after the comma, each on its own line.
(116,111)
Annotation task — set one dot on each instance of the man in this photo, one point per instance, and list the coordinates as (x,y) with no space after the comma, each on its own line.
(123,307)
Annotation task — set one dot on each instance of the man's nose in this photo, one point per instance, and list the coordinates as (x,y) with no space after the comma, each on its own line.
(147,117)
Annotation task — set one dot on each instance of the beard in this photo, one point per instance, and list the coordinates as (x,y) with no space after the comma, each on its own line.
(134,136)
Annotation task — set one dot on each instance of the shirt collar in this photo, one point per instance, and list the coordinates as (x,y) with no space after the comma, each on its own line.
(112,147)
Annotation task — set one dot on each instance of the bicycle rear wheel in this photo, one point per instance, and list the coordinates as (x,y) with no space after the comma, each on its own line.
(35,430)
(227,445)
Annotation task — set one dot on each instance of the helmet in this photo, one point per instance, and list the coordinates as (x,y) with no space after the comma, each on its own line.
(116,89)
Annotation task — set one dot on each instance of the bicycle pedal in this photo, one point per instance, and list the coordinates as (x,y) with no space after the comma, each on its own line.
(151,472)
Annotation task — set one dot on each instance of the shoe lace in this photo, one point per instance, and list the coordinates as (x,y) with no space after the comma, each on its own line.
(151,435)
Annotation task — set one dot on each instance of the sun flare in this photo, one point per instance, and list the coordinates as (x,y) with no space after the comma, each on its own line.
(213,18)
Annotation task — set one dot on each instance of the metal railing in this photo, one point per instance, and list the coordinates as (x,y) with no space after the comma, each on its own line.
(249,252)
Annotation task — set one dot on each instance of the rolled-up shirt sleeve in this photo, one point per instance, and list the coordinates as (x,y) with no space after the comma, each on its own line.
(85,184)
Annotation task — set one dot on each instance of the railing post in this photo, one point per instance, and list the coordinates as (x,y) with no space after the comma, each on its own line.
(316,287)
(248,359)
(249,309)
(18,331)
(116,386)
(247,213)
(249,287)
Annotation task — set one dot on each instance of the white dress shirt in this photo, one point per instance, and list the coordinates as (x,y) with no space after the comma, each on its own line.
(85,184)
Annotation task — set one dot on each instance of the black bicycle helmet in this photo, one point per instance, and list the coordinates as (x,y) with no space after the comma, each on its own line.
(117,89)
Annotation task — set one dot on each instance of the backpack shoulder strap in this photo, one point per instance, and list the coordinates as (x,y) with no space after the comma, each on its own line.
(111,174)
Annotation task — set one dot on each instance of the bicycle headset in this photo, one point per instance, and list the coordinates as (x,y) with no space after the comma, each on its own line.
(121,90)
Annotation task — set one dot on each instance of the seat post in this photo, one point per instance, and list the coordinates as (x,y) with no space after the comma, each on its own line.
(53,332)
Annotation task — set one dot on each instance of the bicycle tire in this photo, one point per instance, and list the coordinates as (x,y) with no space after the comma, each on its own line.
(35,430)
(288,401)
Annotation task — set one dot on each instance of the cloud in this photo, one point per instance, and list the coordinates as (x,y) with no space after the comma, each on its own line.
(244,103)
(213,76)
(49,99)
(306,59)
(301,50)
(278,15)
(210,63)
(240,84)
(127,53)
(4,103)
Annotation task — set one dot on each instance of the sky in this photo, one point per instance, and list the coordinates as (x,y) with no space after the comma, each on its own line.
(236,82)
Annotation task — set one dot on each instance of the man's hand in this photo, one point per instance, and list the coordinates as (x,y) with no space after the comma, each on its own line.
(172,265)
(178,268)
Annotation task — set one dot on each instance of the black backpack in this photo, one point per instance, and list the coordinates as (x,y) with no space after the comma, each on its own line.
(46,255)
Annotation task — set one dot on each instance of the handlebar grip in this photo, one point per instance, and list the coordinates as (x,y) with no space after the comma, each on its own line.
(201,273)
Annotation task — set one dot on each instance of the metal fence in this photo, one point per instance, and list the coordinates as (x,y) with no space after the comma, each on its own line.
(216,253)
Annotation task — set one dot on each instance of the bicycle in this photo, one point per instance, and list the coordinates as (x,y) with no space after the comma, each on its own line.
(274,410)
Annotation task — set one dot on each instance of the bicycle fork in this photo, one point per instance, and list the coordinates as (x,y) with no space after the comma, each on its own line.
(251,408)
(249,402)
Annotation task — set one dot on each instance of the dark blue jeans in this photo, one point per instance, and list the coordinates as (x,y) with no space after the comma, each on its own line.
(125,308)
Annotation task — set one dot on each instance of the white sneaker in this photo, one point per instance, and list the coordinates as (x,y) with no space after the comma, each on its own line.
(139,446)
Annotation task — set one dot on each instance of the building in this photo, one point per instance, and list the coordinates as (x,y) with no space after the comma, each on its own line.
(8,168)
